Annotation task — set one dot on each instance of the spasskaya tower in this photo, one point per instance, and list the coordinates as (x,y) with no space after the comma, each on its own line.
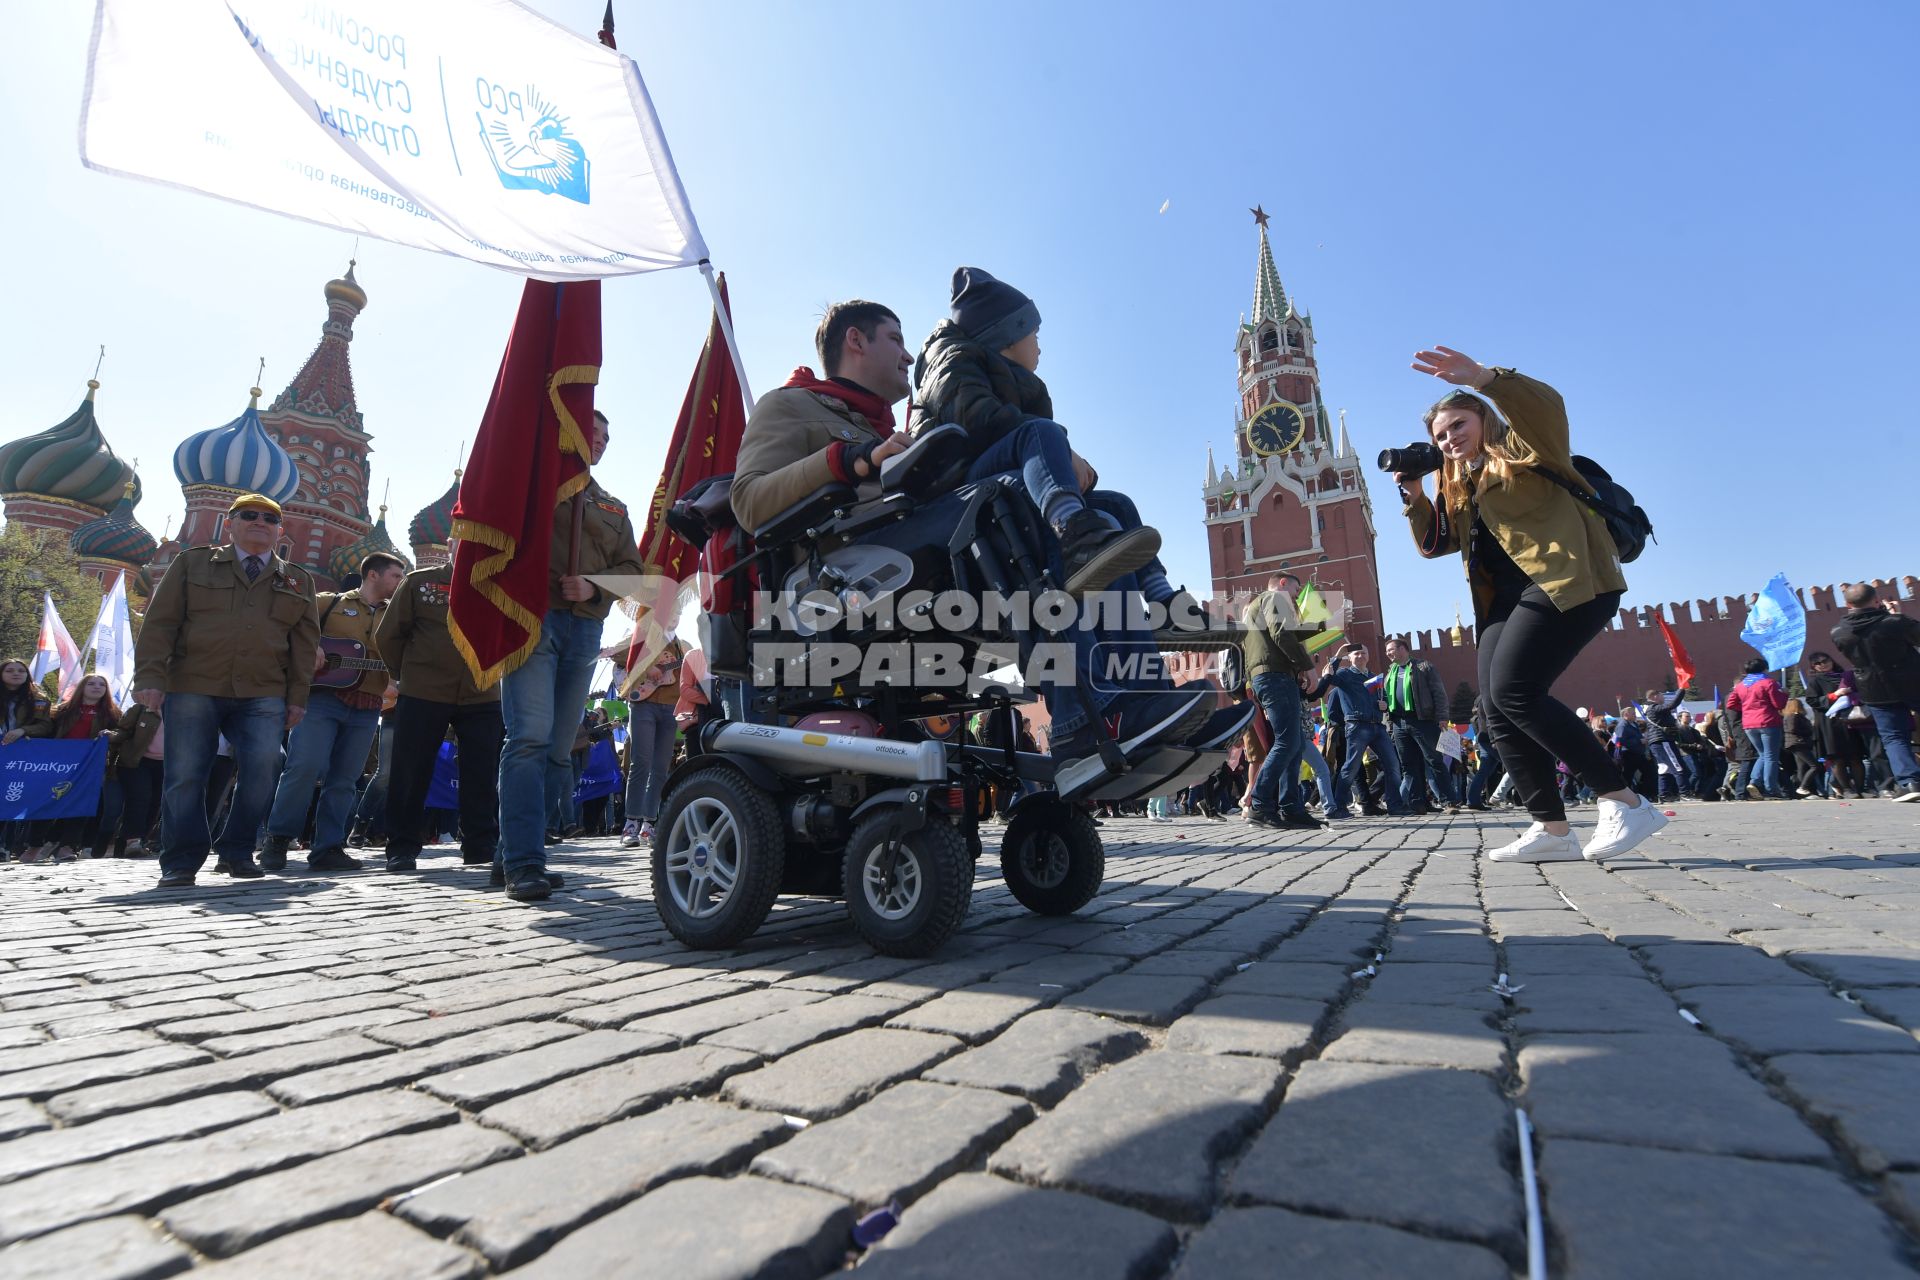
(1294,495)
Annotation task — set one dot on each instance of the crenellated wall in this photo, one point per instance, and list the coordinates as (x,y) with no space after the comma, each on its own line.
(1630,657)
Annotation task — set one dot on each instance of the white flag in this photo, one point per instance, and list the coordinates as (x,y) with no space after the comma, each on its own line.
(112,642)
(56,650)
(479,129)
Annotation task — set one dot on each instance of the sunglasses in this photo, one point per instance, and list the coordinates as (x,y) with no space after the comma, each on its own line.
(251,515)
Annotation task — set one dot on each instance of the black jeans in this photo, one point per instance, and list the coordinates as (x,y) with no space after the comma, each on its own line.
(1523,650)
(140,790)
(418,726)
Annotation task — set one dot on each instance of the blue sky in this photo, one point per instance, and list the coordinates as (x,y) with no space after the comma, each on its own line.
(1695,220)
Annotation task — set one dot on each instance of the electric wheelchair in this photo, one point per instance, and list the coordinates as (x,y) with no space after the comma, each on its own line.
(811,776)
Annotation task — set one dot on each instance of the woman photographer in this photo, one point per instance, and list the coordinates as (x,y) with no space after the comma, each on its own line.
(1545,578)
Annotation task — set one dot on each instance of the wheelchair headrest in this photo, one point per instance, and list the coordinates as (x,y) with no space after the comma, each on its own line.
(934,462)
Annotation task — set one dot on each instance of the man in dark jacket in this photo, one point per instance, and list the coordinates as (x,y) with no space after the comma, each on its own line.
(1352,700)
(1881,644)
(1416,699)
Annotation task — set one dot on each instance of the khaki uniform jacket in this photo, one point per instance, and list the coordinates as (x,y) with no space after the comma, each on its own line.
(607,546)
(346,615)
(38,721)
(783,453)
(1562,546)
(417,647)
(210,631)
(1270,648)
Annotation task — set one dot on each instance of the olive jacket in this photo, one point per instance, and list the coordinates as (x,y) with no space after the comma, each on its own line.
(128,742)
(1562,546)
(783,452)
(1271,645)
(346,615)
(210,631)
(608,547)
(414,642)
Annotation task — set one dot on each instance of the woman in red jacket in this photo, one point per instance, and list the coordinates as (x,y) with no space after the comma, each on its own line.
(1758,699)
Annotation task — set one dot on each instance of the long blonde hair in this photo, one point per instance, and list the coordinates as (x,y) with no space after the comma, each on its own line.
(1503,450)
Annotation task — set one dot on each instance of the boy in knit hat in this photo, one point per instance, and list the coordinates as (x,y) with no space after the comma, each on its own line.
(977,369)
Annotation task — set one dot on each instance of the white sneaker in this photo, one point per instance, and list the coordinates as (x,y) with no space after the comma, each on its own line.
(630,835)
(646,834)
(1621,829)
(1536,844)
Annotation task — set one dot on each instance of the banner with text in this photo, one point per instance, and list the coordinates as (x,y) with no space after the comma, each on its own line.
(482,129)
(51,778)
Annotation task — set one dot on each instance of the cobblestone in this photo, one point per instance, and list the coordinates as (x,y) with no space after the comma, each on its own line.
(566,1085)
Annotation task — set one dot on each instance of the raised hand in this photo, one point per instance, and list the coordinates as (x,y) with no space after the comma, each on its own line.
(1452,366)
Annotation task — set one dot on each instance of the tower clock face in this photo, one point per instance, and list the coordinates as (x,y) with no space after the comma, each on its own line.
(1276,428)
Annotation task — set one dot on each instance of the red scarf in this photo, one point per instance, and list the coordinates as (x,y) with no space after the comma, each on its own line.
(863,402)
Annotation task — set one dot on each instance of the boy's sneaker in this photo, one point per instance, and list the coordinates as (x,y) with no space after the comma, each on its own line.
(1537,845)
(1096,553)
(630,835)
(1621,828)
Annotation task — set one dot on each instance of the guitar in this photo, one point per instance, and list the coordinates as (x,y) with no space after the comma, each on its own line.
(344,663)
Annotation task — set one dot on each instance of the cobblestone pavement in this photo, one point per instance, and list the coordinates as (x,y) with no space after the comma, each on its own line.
(1247,1055)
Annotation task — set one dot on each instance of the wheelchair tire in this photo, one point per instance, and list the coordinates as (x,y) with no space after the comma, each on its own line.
(916,911)
(735,821)
(1052,859)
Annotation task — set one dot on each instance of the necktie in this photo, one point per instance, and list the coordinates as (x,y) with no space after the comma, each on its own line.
(253,568)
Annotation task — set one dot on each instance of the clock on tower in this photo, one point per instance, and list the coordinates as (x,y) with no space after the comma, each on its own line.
(1276,428)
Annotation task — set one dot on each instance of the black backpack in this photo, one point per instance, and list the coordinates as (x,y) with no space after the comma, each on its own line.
(1607,498)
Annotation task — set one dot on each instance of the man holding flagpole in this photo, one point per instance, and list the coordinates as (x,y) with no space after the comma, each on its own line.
(532,528)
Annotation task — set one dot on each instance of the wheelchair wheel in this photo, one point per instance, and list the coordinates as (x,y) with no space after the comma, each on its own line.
(914,905)
(718,854)
(1052,858)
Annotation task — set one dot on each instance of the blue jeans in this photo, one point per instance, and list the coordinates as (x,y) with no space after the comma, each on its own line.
(1487,776)
(541,704)
(1310,754)
(650,731)
(1895,722)
(195,722)
(1766,770)
(329,746)
(1277,786)
(1362,734)
(1037,450)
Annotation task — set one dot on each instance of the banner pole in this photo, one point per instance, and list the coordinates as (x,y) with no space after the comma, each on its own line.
(726,331)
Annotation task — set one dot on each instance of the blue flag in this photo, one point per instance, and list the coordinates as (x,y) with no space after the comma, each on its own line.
(601,777)
(51,778)
(1777,625)
(444,791)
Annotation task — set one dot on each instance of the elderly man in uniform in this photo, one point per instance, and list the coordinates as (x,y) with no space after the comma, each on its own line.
(330,746)
(437,690)
(542,700)
(228,648)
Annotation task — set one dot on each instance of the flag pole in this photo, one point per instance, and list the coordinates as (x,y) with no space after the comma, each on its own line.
(726,331)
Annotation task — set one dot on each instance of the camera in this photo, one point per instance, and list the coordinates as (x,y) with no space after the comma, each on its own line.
(1417,459)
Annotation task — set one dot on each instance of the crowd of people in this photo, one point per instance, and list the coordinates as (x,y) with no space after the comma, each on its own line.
(266,716)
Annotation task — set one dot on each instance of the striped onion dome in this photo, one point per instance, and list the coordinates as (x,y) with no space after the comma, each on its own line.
(433,525)
(116,536)
(70,461)
(345,561)
(240,455)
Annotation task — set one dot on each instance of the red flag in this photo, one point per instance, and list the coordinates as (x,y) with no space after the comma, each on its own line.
(1682,664)
(706,441)
(530,456)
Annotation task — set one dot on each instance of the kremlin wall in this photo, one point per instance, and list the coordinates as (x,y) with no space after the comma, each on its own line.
(308,450)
